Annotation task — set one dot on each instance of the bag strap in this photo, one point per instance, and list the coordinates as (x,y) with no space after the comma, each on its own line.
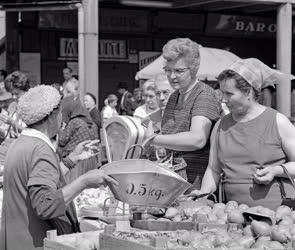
(281,182)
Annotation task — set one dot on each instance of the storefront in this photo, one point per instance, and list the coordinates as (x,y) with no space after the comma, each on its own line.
(129,39)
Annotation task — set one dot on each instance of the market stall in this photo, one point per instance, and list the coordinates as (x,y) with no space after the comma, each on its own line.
(148,211)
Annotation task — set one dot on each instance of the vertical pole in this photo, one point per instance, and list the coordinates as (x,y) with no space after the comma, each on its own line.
(284,56)
(12,41)
(81,55)
(91,47)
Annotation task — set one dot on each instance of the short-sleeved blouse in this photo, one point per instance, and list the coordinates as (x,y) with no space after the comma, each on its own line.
(177,118)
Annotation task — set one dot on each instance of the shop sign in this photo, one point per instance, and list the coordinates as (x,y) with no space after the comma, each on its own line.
(58,19)
(171,21)
(119,20)
(133,56)
(68,48)
(240,26)
(107,49)
(146,57)
(112,49)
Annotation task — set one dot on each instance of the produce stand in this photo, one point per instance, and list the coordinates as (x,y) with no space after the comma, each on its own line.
(158,218)
(156,241)
(162,225)
(72,241)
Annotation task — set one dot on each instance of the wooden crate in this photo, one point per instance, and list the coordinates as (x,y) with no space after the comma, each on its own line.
(53,245)
(50,242)
(153,225)
(54,242)
(109,242)
(91,225)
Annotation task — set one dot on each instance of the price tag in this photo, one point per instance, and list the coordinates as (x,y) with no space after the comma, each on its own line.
(143,190)
(123,226)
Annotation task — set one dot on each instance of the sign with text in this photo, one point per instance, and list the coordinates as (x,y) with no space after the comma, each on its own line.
(146,57)
(171,21)
(58,19)
(240,26)
(119,20)
(112,49)
(68,48)
(107,49)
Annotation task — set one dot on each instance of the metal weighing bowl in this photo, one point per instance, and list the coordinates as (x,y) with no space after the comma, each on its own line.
(145,183)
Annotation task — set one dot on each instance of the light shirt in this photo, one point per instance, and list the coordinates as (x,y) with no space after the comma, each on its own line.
(141,112)
(37,134)
(108,112)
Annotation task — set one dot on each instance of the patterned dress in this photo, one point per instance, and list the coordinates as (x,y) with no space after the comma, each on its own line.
(201,101)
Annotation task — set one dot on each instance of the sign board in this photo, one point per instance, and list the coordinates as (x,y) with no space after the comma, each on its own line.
(171,21)
(108,50)
(68,48)
(146,57)
(133,56)
(112,49)
(29,63)
(58,19)
(244,26)
(121,20)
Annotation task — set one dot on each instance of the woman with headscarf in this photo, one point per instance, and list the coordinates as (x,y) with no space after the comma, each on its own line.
(35,195)
(78,127)
(253,143)
(90,105)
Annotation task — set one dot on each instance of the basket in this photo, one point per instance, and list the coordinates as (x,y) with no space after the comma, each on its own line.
(178,165)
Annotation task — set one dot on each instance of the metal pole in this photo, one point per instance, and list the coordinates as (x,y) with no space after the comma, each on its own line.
(284,56)
(81,55)
(91,47)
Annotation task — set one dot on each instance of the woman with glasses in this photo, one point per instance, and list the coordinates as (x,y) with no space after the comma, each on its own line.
(191,111)
(150,106)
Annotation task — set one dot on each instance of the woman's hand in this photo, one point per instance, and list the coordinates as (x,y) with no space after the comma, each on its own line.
(95,178)
(5,118)
(84,150)
(265,175)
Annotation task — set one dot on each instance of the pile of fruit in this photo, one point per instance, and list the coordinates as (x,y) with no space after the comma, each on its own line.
(276,233)
(85,241)
(92,197)
(218,213)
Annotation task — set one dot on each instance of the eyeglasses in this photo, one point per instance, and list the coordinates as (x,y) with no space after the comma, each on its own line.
(164,92)
(149,96)
(178,72)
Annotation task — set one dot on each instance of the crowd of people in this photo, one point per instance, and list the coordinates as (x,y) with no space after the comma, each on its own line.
(50,139)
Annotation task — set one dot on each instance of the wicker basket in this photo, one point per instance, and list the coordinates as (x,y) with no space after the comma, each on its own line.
(179,167)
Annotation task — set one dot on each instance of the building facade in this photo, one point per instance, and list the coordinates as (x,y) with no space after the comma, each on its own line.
(42,43)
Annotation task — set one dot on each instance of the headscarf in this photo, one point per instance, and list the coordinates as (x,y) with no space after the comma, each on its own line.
(258,74)
(72,108)
(37,103)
